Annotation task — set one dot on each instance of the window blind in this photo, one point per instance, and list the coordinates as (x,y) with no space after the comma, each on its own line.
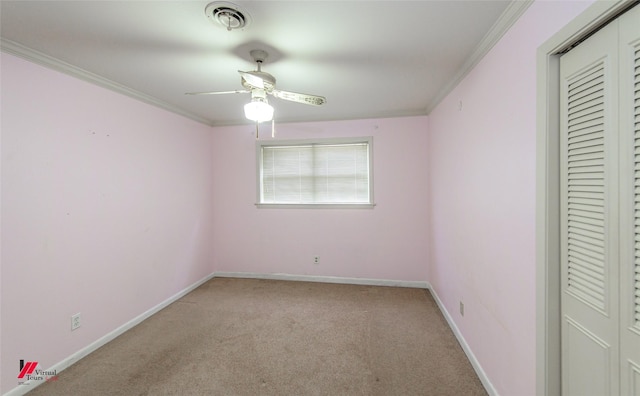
(315,173)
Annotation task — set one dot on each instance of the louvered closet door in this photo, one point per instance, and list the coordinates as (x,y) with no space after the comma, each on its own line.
(630,202)
(589,210)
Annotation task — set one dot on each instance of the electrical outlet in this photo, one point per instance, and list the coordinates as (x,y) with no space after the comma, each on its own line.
(75,321)
(316,259)
(461,308)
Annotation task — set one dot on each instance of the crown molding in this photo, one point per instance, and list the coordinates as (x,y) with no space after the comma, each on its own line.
(13,48)
(509,16)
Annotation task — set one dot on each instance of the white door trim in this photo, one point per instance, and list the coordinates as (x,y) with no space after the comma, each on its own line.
(548,374)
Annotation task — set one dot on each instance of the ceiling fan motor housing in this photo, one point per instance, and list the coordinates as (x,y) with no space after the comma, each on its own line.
(259,95)
(268,81)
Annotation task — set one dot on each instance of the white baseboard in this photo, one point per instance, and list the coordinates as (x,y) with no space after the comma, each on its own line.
(60,366)
(324,279)
(488,386)
(379,282)
(23,389)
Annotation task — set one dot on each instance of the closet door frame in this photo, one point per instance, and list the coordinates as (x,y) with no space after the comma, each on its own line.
(548,275)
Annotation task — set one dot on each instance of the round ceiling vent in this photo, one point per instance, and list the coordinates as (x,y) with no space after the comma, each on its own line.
(228,15)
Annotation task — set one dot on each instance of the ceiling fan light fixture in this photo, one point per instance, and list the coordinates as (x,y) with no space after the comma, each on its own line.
(260,84)
(258,110)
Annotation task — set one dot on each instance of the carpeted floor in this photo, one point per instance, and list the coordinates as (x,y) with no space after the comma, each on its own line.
(264,337)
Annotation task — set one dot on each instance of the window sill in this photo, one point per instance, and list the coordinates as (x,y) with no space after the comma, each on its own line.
(316,206)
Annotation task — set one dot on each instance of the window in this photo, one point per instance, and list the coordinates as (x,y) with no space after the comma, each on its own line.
(331,172)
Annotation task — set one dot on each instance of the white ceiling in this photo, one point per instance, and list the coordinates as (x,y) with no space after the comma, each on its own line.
(368,58)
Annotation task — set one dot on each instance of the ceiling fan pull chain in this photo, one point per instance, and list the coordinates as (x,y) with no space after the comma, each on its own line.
(273,127)
(256,130)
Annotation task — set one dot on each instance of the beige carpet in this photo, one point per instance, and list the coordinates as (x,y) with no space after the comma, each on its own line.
(264,337)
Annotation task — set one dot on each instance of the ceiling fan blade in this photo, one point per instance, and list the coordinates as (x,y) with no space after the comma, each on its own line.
(217,92)
(300,97)
(252,79)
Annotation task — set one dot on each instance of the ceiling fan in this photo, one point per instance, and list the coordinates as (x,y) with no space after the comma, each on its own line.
(260,84)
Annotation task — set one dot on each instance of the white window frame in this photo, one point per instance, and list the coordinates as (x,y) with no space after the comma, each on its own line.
(300,142)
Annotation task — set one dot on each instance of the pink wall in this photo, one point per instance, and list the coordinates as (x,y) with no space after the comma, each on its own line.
(482,202)
(387,242)
(106,210)
(110,206)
